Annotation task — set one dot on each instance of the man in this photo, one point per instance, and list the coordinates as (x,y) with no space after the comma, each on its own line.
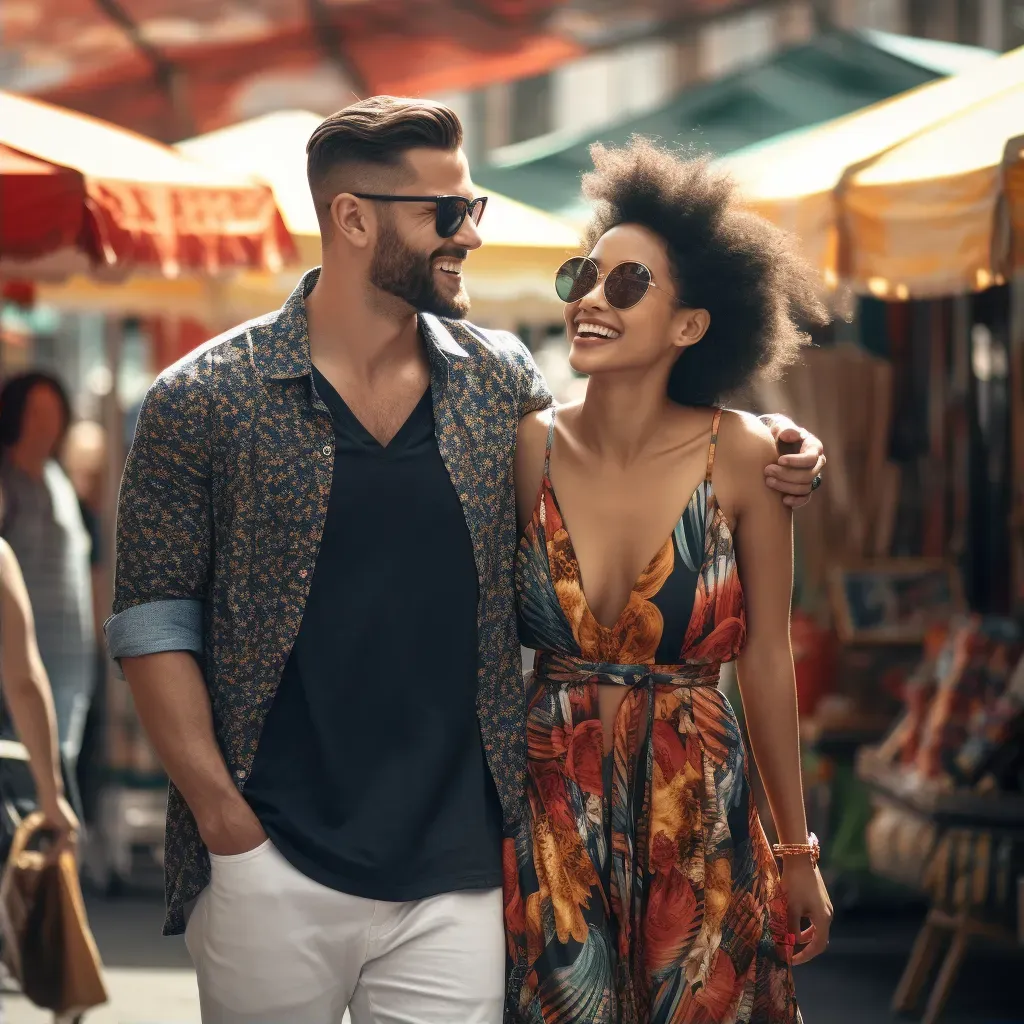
(314,608)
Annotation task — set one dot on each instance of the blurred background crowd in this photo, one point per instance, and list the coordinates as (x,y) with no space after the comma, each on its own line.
(153,194)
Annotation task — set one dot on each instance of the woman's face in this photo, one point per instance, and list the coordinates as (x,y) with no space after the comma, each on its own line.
(653,332)
(42,424)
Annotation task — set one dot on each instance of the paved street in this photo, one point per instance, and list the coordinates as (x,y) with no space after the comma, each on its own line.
(151,982)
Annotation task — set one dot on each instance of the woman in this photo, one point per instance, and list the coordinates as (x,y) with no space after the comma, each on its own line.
(640,886)
(43,523)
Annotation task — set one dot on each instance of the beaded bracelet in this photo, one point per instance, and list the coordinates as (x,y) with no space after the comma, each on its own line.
(812,847)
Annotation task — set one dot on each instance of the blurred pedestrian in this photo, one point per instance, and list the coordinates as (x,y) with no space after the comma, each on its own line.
(85,461)
(42,522)
(314,608)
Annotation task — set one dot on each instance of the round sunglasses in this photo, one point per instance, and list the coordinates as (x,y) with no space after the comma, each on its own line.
(624,285)
(452,211)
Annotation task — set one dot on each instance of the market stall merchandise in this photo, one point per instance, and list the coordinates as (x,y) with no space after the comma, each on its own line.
(80,195)
(948,784)
(845,396)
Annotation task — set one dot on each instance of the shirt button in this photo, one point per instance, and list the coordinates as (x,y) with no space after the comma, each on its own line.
(327,449)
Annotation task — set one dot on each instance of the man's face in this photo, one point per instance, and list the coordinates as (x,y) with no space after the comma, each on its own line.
(410,260)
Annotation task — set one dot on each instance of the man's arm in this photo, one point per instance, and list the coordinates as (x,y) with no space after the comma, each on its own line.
(173,705)
(534,393)
(164,540)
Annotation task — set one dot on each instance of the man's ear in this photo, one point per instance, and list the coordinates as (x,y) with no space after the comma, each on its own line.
(350,220)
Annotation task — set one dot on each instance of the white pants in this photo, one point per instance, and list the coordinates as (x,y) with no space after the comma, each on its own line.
(273,947)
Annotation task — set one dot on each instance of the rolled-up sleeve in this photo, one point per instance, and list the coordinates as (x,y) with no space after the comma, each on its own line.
(534,393)
(165,522)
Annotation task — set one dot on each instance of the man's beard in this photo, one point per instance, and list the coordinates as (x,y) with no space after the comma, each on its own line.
(409,275)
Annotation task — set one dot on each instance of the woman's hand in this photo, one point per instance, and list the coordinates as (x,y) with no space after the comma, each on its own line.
(62,821)
(808,900)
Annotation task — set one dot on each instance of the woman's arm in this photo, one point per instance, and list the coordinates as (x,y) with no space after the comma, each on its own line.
(764,553)
(28,693)
(531,441)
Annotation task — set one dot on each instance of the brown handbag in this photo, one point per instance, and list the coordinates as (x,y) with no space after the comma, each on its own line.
(47,944)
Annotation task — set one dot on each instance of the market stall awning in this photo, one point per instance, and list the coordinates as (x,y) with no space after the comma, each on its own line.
(173,68)
(1013,170)
(927,217)
(117,202)
(798,181)
(830,76)
(41,208)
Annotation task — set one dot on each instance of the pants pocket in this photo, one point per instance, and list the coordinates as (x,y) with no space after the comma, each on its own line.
(239,858)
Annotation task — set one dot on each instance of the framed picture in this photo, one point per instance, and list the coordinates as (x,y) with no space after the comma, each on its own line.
(894,601)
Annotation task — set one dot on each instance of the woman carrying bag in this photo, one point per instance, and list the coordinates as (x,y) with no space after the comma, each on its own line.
(27,694)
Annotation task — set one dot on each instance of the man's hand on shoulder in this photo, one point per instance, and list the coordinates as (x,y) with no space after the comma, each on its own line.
(797,472)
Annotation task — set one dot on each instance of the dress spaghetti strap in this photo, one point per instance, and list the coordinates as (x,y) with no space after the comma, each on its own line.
(547,449)
(711,447)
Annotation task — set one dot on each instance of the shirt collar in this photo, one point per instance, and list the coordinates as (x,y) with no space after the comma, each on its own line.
(280,340)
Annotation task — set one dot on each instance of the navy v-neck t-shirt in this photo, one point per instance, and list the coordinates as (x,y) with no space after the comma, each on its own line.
(370,776)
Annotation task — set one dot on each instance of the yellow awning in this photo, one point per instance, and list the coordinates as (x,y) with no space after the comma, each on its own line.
(925,218)
(794,181)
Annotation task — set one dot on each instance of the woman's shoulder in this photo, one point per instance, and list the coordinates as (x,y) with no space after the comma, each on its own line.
(744,440)
(534,427)
(745,447)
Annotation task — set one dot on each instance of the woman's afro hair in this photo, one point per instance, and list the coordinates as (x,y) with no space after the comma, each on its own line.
(762,296)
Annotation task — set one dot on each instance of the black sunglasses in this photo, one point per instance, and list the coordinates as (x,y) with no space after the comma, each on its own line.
(451,210)
(624,286)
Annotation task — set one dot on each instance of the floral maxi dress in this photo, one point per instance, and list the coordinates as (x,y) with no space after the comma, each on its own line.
(639,886)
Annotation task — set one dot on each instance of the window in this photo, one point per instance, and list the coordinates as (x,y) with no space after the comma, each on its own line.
(968,24)
(990,24)
(1013,24)
(883,15)
(582,93)
(530,113)
(737,42)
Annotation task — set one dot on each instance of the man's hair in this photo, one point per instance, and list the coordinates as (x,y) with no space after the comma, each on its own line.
(761,294)
(371,136)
